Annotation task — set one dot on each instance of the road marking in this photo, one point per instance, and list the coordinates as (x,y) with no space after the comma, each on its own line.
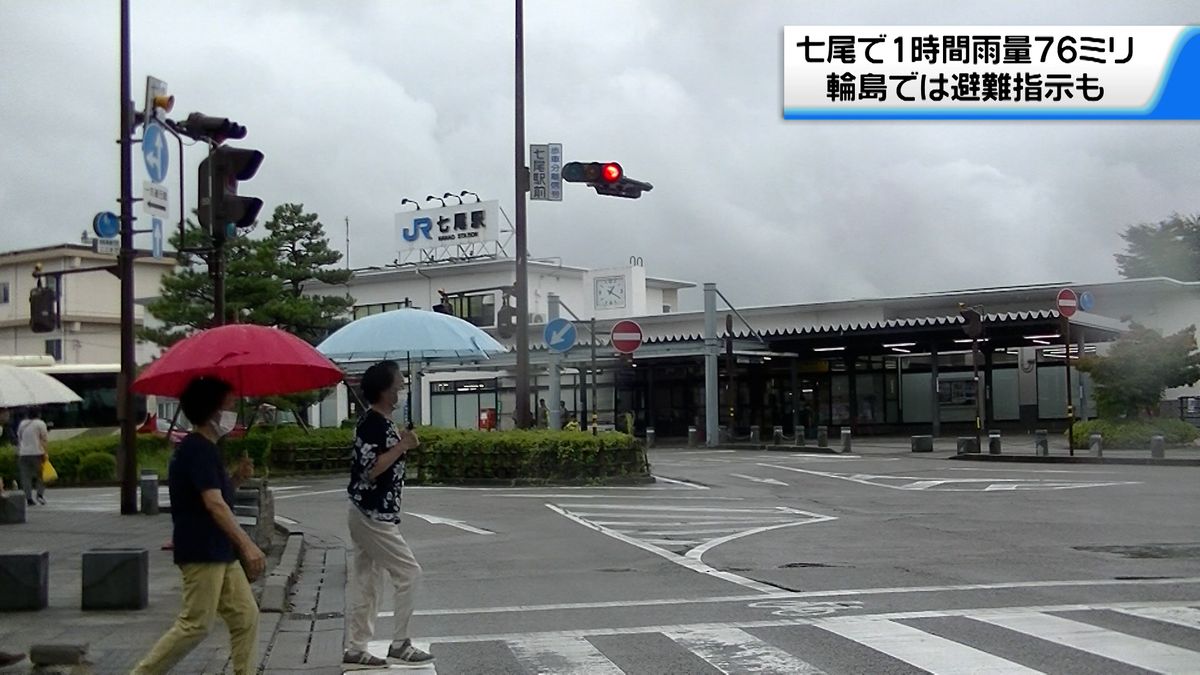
(681,482)
(1129,649)
(286,520)
(662,497)
(777,595)
(690,563)
(969,468)
(923,650)
(769,481)
(310,494)
(733,650)
(1180,616)
(672,523)
(439,520)
(644,507)
(940,485)
(978,614)
(565,654)
(288,487)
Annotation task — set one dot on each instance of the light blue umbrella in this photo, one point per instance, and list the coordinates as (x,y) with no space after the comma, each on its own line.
(409,334)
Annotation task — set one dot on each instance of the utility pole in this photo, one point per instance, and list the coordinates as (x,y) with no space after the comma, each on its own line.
(522,181)
(128,450)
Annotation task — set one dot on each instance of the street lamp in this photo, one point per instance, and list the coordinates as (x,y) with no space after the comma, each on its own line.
(464,193)
(406,200)
(430,198)
(448,195)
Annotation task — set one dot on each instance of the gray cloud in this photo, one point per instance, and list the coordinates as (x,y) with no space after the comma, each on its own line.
(360,104)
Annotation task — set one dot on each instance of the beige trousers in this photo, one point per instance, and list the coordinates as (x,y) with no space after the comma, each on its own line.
(379,551)
(209,589)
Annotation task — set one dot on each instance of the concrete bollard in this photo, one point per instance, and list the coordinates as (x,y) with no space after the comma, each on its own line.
(116,578)
(845,439)
(1157,443)
(922,443)
(800,437)
(1096,443)
(649,437)
(967,445)
(777,435)
(822,437)
(25,578)
(12,508)
(149,486)
(59,655)
(693,437)
(993,442)
(1041,443)
(754,433)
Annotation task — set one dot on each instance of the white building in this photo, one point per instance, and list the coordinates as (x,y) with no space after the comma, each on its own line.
(90,303)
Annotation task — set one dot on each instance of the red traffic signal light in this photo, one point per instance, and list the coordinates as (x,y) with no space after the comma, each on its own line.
(592,172)
(611,172)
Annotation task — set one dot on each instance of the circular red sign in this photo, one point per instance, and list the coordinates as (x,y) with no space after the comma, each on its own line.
(626,336)
(1068,302)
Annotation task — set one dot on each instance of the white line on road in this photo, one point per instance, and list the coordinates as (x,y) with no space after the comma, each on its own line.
(769,481)
(692,564)
(924,650)
(979,614)
(1181,616)
(310,494)
(681,482)
(1135,651)
(439,520)
(662,497)
(673,522)
(644,507)
(733,650)
(838,593)
(968,468)
(565,654)
(921,483)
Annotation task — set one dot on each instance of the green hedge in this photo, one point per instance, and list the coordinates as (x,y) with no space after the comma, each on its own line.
(96,467)
(445,455)
(1135,434)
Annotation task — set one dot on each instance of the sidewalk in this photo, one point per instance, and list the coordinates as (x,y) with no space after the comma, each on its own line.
(116,639)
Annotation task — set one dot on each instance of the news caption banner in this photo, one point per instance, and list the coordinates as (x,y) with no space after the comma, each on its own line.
(991,72)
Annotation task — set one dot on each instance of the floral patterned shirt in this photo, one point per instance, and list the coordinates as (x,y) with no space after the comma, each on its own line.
(379,498)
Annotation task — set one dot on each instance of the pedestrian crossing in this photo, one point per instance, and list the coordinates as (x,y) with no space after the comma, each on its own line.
(1030,639)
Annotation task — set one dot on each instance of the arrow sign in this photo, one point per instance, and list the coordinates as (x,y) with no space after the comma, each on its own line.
(1068,302)
(155,152)
(626,336)
(438,520)
(769,481)
(560,335)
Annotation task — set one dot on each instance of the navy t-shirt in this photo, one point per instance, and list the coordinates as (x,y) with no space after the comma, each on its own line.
(195,468)
(379,498)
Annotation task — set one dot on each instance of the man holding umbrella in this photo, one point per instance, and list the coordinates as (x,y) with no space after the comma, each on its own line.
(376,478)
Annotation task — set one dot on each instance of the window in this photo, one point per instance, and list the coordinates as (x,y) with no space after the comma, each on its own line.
(367,310)
(478,310)
(54,348)
(3,292)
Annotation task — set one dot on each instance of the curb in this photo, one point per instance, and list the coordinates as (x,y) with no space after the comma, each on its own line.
(279,583)
(1066,459)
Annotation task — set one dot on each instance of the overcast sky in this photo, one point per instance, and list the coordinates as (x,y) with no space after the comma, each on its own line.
(359,104)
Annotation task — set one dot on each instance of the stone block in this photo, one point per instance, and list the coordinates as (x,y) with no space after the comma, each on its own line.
(25,578)
(922,443)
(967,445)
(12,508)
(116,578)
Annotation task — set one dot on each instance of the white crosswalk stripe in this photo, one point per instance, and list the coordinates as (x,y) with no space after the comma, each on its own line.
(735,648)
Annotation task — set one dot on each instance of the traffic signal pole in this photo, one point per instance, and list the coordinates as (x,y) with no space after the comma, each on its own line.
(522,181)
(127,464)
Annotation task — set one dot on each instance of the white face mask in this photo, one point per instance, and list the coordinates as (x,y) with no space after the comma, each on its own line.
(225,422)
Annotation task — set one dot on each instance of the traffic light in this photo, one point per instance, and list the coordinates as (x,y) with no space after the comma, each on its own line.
(592,172)
(43,307)
(216,129)
(221,211)
(606,178)
(973,322)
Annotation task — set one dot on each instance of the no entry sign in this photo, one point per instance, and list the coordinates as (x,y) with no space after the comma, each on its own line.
(1068,302)
(626,336)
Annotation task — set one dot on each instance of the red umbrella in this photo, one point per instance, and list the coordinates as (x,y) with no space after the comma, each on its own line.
(256,360)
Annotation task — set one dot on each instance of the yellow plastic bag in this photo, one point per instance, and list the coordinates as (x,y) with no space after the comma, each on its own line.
(49,475)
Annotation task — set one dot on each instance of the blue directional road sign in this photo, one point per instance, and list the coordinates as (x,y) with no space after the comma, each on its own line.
(155,152)
(1086,301)
(560,335)
(106,225)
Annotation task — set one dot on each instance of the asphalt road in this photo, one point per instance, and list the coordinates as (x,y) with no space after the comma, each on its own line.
(776,562)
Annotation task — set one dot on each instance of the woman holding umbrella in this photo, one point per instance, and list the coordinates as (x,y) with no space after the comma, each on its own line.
(208,539)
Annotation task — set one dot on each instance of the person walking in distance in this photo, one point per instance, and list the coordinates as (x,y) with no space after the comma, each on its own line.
(376,478)
(33,439)
(208,539)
